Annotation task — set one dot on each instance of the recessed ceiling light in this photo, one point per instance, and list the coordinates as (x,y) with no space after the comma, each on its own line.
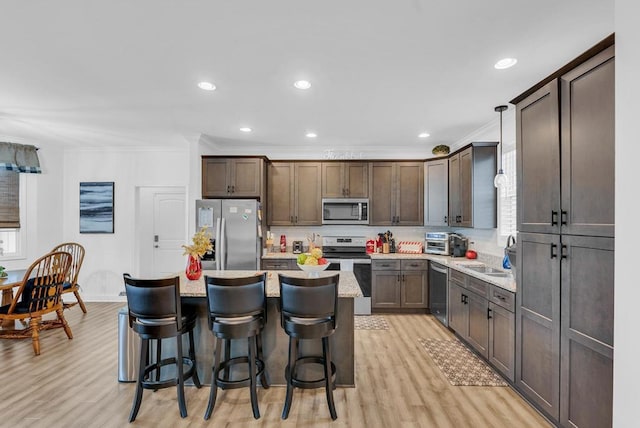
(311,135)
(245,129)
(302,84)
(423,135)
(505,63)
(207,86)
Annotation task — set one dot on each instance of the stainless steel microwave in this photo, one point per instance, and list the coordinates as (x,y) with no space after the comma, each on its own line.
(345,211)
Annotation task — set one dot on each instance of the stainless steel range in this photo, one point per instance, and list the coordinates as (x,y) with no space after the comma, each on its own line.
(349,253)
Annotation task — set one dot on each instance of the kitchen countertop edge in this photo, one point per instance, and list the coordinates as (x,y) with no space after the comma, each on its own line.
(507,283)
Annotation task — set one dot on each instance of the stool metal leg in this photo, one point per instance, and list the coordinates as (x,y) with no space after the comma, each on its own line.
(326,351)
(252,377)
(227,356)
(192,357)
(144,357)
(180,368)
(290,371)
(264,377)
(214,385)
(158,359)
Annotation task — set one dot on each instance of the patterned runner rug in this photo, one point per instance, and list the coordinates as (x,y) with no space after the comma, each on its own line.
(370,322)
(461,366)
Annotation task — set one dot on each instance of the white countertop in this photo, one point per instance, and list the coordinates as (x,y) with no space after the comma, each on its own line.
(347,287)
(508,283)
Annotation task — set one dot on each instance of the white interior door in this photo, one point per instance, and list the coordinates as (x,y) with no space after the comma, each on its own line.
(161,231)
(169,223)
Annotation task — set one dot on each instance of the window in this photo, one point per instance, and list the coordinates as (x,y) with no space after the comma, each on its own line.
(507,199)
(11,197)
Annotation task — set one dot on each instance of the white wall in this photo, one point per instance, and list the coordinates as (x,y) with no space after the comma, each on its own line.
(108,256)
(626,385)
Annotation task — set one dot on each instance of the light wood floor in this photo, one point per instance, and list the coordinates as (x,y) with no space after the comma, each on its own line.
(73,383)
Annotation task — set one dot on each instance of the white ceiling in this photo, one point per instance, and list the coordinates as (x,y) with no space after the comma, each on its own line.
(121,72)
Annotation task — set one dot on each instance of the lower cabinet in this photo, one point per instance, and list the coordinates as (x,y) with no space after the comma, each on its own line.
(279,264)
(482,315)
(399,284)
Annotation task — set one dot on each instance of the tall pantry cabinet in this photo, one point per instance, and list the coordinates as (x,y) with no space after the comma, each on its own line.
(565,272)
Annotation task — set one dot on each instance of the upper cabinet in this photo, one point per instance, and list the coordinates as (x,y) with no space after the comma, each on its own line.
(397,193)
(570,118)
(294,194)
(472,196)
(233,177)
(436,197)
(345,179)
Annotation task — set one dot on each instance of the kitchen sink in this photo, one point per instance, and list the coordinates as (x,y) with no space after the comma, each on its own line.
(484,269)
(498,274)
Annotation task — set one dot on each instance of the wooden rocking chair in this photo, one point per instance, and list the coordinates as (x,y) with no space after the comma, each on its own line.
(38,295)
(71,282)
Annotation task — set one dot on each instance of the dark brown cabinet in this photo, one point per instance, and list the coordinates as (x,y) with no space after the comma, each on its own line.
(397,193)
(294,194)
(488,327)
(564,330)
(233,177)
(279,264)
(575,196)
(436,191)
(564,307)
(345,179)
(472,196)
(399,284)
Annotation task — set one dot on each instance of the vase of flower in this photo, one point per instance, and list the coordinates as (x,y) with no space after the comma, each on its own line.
(201,244)
(194,268)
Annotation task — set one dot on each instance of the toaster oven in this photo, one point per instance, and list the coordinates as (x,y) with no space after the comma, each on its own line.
(437,243)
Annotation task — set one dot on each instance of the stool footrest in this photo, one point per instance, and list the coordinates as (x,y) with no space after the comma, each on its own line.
(239,383)
(309,384)
(158,384)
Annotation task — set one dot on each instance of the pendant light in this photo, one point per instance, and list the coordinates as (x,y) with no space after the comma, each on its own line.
(500,179)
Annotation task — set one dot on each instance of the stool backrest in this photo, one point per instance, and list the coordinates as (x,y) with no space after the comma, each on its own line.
(153,299)
(236,297)
(309,297)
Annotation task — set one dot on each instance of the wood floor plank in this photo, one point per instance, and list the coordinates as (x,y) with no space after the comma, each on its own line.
(74,384)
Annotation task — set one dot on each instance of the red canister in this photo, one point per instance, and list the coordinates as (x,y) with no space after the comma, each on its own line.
(371,246)
(283,243)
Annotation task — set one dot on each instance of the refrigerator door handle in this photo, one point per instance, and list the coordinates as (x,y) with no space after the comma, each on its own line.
(223,236)
(218,244)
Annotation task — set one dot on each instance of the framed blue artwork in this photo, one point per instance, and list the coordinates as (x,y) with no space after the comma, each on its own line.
(96,207)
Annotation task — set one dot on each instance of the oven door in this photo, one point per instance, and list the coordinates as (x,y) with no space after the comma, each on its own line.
(361,269)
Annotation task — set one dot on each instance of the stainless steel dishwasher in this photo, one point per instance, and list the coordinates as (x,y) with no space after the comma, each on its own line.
(438,296)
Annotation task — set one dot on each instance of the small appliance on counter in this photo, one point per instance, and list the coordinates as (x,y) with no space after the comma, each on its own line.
(437,243)
(297,247)
(458,245)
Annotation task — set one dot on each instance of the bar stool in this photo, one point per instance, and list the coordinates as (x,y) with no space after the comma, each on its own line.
(155,313)
(237,309)
(308,308)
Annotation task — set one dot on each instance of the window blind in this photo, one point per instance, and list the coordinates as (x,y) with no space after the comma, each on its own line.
(9,200)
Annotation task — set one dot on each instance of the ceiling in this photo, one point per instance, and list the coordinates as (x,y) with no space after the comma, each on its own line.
(90,73)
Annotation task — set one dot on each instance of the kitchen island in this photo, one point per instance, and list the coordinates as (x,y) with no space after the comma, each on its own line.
(275,341)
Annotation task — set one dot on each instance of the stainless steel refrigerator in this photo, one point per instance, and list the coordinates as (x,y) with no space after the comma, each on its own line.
(235,227)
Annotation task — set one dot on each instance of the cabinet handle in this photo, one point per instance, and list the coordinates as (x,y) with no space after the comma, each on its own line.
(462,298)
(402,277)
(233,189)
(445,219)
(554,218)
(563,218)
(296,219)
(228,189)
(563,252)
(290,219)
(500,297)
(489,313)
(398,277)
(554,254)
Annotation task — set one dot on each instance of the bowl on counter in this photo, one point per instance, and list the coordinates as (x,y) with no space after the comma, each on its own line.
(313,271)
